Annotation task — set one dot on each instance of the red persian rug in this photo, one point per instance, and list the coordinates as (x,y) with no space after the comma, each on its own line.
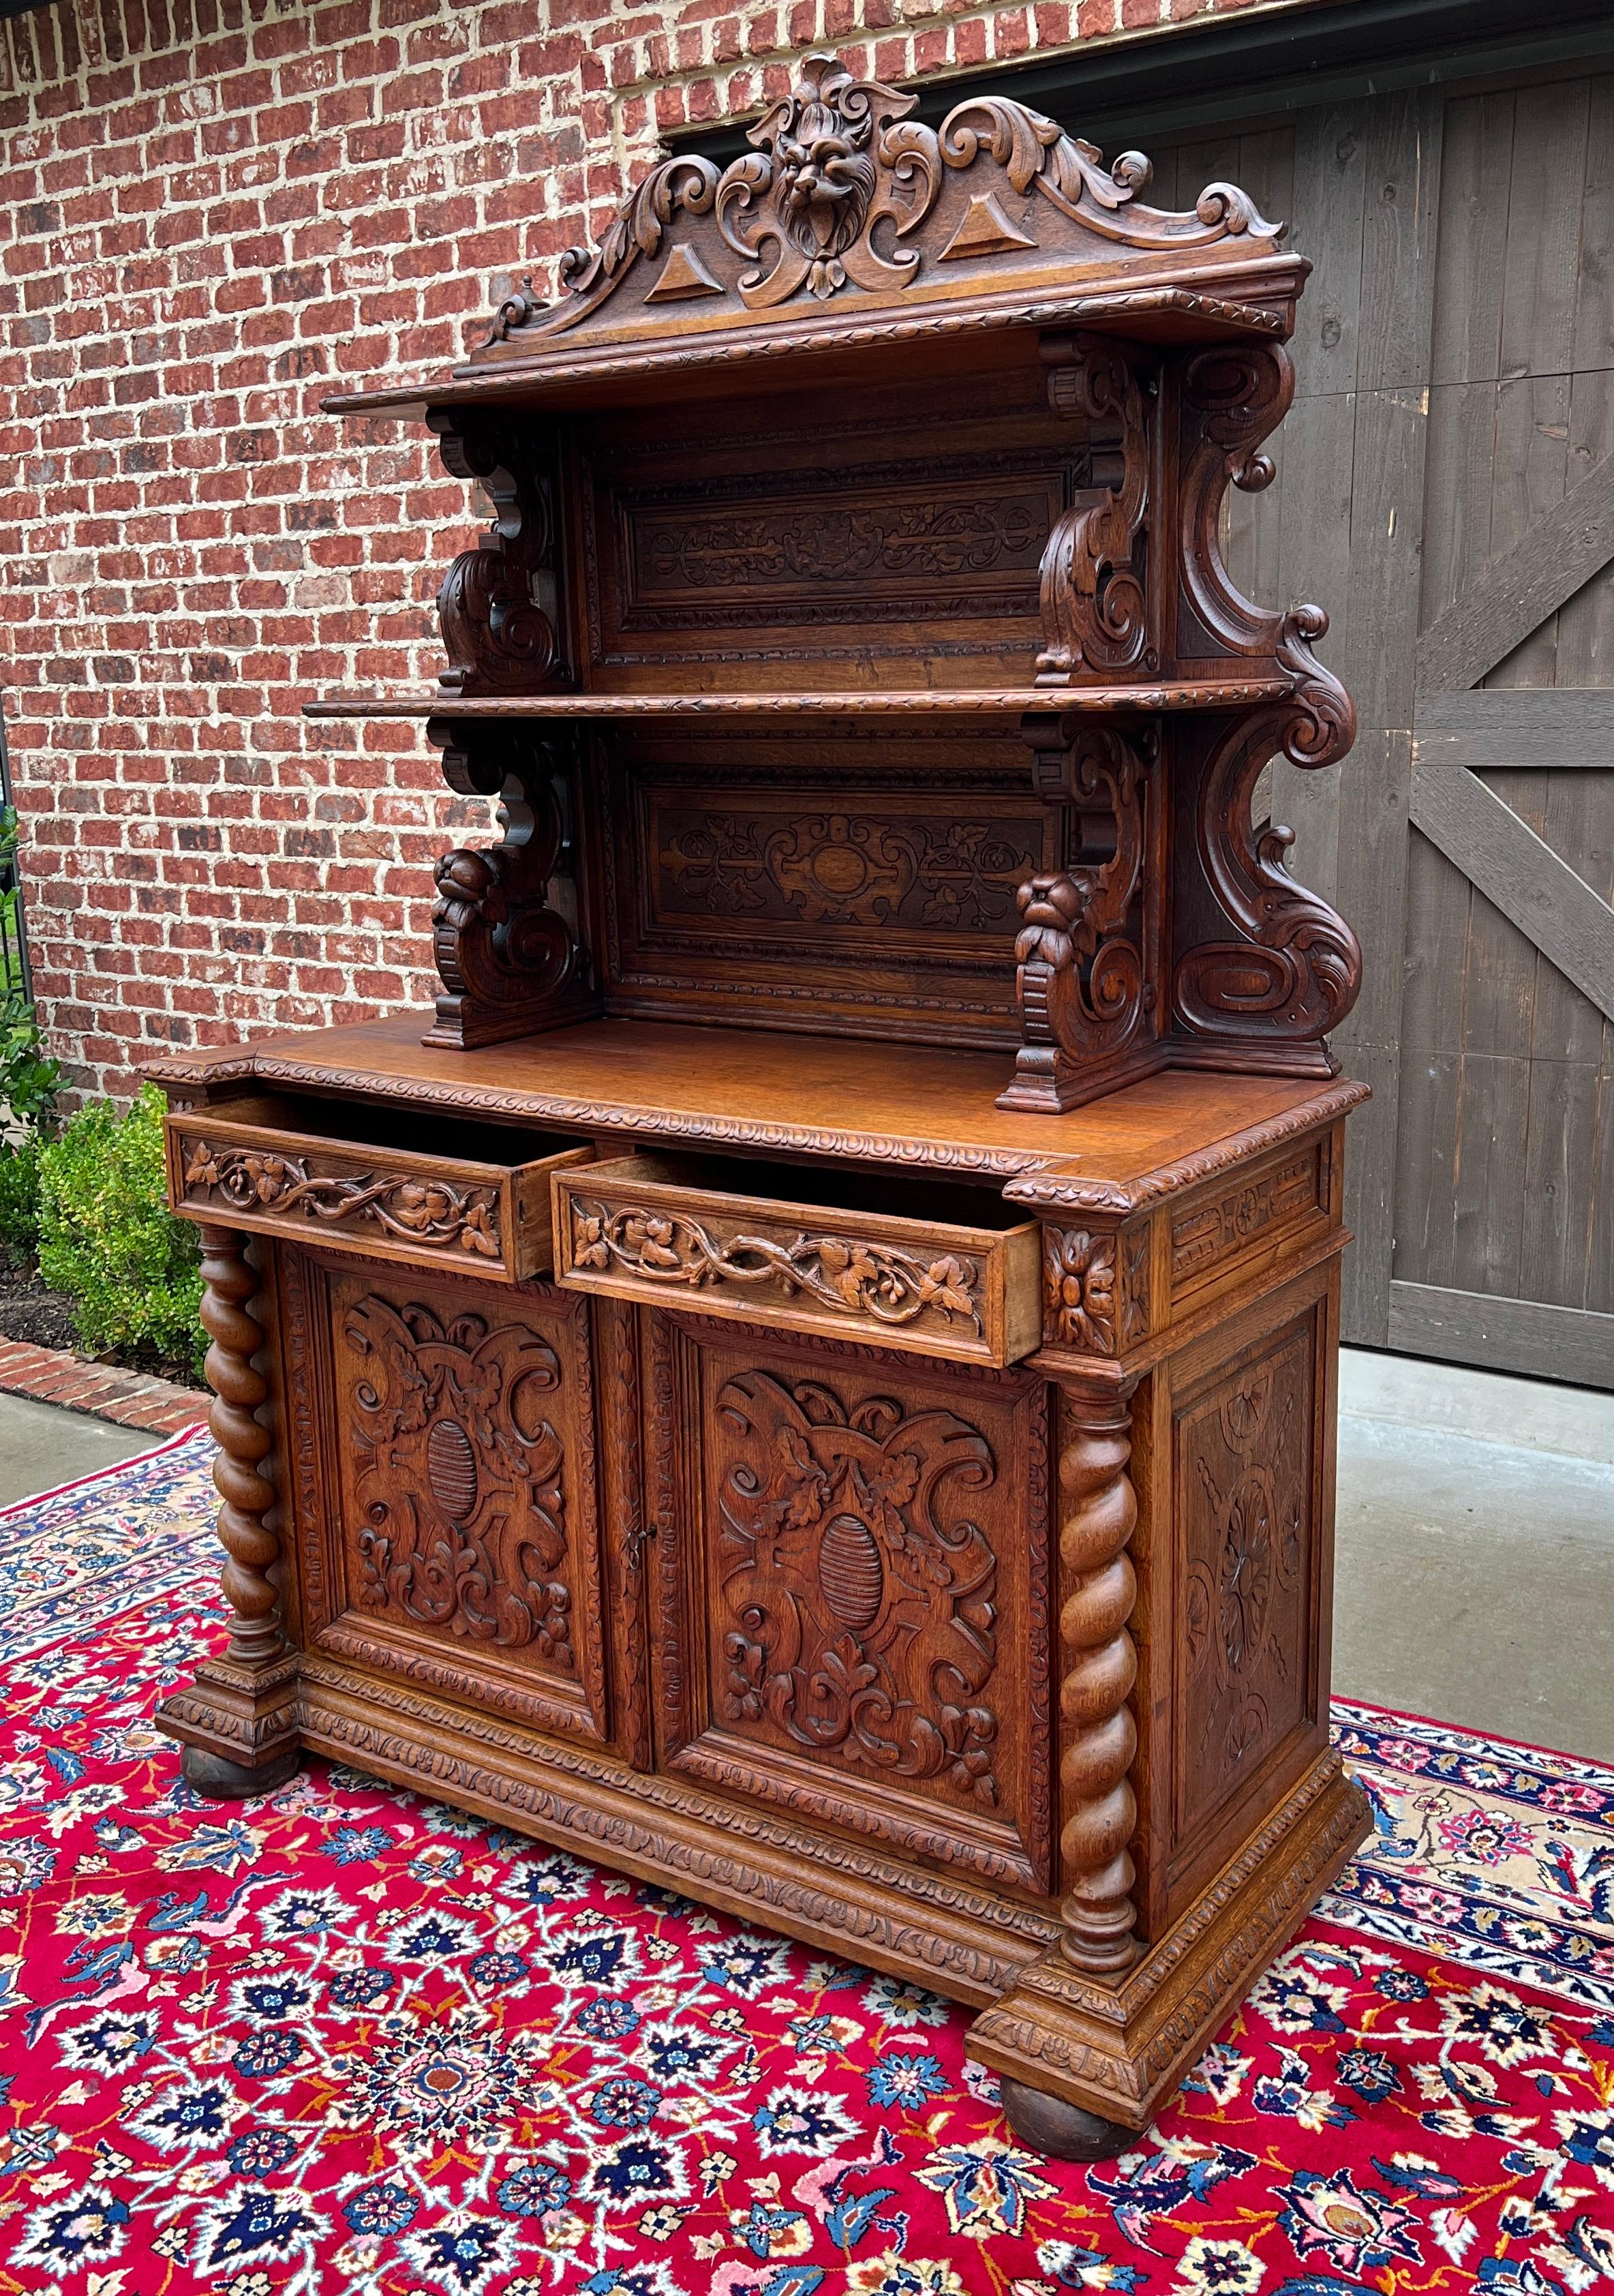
(345,2042)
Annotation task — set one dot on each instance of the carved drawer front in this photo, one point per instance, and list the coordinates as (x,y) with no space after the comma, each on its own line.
(453,1535)
(851,1592)
(804,1251)
(479,1202)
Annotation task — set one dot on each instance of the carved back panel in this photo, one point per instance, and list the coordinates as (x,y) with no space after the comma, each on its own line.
(831,883)
(853,1612)
(457,1541)
(798,537)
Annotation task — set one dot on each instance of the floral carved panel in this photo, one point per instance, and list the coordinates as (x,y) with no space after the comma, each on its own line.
(868,1598)
(462,1434)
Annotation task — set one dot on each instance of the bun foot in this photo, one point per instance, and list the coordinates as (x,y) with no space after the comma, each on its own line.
(218,1779)
(1064,2132)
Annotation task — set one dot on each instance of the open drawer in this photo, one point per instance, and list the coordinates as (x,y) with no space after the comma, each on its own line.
(309,1171)
(954,1272)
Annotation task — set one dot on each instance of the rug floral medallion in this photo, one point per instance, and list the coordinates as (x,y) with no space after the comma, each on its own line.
(343,2041)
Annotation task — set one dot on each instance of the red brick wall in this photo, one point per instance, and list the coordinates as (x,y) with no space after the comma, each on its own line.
(211,215)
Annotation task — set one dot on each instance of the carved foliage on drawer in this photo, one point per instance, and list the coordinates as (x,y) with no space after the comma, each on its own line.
(1244,1453)
(845,1275)
(457,1468)
(321,1194)
(1209,1238)
(856,1592)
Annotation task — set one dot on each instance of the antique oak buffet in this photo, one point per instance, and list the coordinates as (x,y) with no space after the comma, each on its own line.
(812,1376)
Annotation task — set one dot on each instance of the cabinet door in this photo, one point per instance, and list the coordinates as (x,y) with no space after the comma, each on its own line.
(444,1484)
(850,1589)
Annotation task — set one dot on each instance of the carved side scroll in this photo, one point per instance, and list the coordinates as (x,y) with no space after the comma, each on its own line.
(1081,974)
(510,956)
(1094,601)
(1297,973)
(1269,998)
(497,601)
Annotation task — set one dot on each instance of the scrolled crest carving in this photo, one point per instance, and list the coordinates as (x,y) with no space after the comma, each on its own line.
(834,159)
(835,192)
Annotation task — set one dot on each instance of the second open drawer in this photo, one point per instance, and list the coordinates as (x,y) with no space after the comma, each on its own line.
(771,1243)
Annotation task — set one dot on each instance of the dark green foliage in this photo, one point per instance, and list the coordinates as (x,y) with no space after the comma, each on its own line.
(107,1238)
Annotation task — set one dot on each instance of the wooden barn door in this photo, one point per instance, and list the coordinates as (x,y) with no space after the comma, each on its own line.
(1452,504)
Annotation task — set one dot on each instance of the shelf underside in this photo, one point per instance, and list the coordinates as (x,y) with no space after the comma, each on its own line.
(1186,694)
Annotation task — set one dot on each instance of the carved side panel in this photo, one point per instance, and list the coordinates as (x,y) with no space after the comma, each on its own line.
(867,1591)
(1244,1467)
(467,1542)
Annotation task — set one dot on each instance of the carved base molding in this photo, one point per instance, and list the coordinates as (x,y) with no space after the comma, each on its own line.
(1119,2050)
(842,1896)
(238,1726)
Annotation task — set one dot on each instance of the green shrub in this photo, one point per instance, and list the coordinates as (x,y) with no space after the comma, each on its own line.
(20,1197)
(107,1238)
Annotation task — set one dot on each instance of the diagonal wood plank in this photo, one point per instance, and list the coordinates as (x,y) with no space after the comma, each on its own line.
(1517,591)
(1520,875)
(1502,727)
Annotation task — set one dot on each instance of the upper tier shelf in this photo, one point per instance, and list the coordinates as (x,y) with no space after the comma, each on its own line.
(1013,702)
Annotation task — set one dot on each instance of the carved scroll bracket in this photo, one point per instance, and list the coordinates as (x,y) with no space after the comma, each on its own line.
(497,605)
(1275,993)
(1098,1737)
(1081,976)
(1095,587)
(505,930)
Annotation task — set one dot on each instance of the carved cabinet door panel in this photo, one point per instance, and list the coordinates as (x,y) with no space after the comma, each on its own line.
(451,1532)
(1251,1467)
(850,1604)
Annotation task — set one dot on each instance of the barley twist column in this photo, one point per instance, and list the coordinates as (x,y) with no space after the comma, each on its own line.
(1098,1513)
(237,1721)
(251,1548)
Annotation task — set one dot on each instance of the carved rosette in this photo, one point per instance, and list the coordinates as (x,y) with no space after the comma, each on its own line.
(1098,1738)
(497,605)
(505,929)
(1094,601)
(238,1720)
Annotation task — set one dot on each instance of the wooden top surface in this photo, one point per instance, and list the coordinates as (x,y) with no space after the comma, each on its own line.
(845,1101)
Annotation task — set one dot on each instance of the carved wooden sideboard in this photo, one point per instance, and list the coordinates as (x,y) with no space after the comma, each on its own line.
(811,1377)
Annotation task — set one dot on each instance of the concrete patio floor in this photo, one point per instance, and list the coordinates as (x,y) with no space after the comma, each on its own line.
(1474,1552)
